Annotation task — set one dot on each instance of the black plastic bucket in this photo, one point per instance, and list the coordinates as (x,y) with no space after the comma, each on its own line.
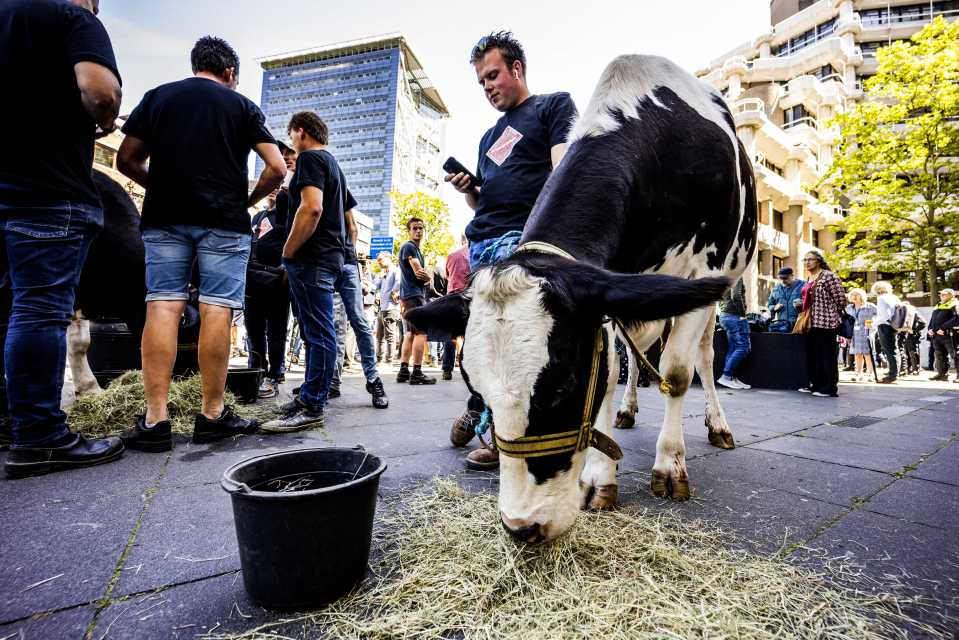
(304,523)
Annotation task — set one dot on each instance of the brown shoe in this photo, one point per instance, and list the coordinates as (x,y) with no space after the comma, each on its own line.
(464,428)
(483,459)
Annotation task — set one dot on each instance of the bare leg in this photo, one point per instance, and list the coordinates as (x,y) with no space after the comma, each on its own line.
(419,347)
(158,347)
(720,435)
(598,479)
(407,349)
(669,477)
(78,343)
(214,356)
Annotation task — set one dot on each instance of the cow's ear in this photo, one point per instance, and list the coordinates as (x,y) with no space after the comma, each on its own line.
(635,297)
(448,314)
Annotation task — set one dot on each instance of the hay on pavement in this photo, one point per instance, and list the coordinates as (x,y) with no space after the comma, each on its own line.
(446,569)
(116,409)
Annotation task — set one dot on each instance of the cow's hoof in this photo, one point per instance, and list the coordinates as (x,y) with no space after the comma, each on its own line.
(604,497)
(625,420)
(721,439)
(665,487)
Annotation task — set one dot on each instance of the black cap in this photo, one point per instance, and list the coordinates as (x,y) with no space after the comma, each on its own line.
(785,271)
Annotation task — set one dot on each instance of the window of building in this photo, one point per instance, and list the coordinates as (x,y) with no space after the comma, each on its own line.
(803,40)
(815,237)
(778,220)
(103,155)
(825,71)
(794,114)
(777,265)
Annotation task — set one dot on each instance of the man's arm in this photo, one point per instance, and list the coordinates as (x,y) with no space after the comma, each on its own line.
(132,159)
(351,227)
(272,175)
(556,153)
(99,92)
(418,269)
(305,220)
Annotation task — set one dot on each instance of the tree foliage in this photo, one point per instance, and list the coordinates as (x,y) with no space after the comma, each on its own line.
(895,160)
(438,239)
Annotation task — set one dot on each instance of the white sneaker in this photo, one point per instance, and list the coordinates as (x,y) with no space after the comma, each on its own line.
(726,381)
(805,390)
(821,395)
(742,385)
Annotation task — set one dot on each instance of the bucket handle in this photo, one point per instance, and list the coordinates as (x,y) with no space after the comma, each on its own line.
(233,486)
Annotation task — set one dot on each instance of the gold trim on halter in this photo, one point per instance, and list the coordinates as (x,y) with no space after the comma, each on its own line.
(574,440)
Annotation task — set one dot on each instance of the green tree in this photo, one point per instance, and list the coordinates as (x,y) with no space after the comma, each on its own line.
(438,240)
(896,157)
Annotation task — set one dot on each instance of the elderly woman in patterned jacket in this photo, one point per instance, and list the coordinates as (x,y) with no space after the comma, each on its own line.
(824,297)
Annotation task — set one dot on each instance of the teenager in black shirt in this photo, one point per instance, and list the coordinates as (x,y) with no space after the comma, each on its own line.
(197,135)
(313,256)
(58,68)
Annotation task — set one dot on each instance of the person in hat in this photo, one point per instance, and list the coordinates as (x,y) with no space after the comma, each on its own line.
(785,301)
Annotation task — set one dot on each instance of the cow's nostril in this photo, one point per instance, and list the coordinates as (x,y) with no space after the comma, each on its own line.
(529,534)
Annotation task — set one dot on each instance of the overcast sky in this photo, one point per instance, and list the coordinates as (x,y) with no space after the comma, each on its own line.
(567,43)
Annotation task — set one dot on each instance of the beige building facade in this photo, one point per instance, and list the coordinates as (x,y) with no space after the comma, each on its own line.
(782,88)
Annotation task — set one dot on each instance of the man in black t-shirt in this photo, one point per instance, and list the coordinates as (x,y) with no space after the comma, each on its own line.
(414,279)
(61,82)
(313,256)
(516,157)
(197,135)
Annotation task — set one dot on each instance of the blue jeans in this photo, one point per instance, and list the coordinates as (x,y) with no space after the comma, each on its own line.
(351,292)
(222,256)
(492,250)
(737,335)
(312,289)
(43,249)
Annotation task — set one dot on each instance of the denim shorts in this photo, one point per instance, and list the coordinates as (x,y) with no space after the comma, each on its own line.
(222,255)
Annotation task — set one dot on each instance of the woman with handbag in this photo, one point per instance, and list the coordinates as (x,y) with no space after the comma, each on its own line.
(823,304)
(864,313)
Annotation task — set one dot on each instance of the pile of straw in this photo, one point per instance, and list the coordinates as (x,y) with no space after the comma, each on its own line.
(446,569)
(117,408)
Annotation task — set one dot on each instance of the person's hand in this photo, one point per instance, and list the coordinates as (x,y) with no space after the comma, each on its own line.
(930,333)
(940,333)
(395,297)
(460,182)
(797,303)
(779,307)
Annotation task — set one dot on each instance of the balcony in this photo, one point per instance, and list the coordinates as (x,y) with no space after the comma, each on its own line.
(827,51)
(813,91)
(773,239)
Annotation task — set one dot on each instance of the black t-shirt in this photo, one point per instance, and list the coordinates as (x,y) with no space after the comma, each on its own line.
(410,285)
(269,236)
(318,168)
(199,134)
(349,251)
(48,135)
(284,216)
(514,162)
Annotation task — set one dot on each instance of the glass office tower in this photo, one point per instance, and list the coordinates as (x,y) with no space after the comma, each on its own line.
(386,119)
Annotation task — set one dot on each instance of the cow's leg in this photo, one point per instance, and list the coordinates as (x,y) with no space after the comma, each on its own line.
(78,343)
(626,416)
(598,478)
(669,477)
(720,435)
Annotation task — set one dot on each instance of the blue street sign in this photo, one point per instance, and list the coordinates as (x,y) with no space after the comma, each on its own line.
(379,244)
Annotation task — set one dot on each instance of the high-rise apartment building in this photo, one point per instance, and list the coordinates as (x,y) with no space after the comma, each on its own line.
(782,88)
(386,119)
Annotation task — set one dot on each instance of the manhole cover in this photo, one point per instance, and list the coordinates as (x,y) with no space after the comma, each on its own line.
(856,422)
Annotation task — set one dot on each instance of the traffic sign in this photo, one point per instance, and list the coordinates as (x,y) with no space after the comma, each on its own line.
(379,244)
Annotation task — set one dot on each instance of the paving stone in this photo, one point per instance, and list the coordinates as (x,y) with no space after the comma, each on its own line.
(920,422)
(79,541)
(873,457)
(70,623)
(940,467)
(930,503)
(892,412)
(825,481)
(917,443)
(186,533)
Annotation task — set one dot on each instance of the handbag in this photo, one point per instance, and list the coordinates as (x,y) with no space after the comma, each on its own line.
(803,322)
(847,325)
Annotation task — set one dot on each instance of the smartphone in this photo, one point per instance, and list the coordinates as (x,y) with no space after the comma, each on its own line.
(454,166)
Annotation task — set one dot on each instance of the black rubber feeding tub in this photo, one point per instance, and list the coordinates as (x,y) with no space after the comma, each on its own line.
(304,523)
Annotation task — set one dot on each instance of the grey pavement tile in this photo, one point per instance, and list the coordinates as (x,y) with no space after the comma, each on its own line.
(186,533)
(943,466)
(763,518)
(130,475)
(808,478)
(917,443)
(69,623)
(79,541)
(930,503)
(875,458)
(218,605)
(892,411)
(919,422)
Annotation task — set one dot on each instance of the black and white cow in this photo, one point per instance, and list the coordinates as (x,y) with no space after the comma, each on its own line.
(650,215)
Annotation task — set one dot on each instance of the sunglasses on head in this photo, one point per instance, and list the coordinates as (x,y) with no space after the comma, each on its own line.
(480,46)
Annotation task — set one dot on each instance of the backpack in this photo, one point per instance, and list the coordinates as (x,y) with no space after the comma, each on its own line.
(898,318)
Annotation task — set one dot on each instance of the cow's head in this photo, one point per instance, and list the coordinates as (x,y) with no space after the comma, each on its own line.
(530,324)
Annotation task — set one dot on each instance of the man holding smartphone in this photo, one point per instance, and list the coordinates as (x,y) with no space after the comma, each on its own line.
(516,157)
